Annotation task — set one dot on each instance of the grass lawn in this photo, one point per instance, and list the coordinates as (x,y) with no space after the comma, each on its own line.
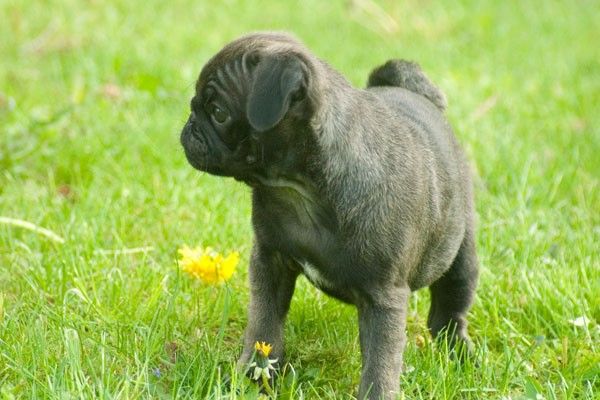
(92,97)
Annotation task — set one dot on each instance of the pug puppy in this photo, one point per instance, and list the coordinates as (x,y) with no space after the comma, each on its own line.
(364,191)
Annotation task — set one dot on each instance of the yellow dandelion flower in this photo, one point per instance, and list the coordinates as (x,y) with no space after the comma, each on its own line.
(262,365)
(263,348)
(208,265)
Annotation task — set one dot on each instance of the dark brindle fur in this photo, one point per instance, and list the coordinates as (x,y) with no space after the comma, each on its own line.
(366,192)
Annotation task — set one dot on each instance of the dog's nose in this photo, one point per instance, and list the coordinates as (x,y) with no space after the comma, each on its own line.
(192,126)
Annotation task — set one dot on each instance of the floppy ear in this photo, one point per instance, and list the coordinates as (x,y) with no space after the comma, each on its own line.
(276,80)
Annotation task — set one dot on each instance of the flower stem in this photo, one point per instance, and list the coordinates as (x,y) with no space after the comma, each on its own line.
(266,385)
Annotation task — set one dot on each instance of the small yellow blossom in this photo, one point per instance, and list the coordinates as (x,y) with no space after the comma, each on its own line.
(263,348)
(262,365)
(208,265)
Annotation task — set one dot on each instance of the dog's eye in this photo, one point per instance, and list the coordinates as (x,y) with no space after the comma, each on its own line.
(218,114)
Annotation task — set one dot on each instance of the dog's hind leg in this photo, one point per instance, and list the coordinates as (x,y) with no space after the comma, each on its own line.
(452,295)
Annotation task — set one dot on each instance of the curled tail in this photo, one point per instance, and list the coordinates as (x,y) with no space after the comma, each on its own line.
(407,75)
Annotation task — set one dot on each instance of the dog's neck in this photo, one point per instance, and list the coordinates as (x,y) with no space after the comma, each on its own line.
(299,168)
(289,165)
(298,183)
(289,175)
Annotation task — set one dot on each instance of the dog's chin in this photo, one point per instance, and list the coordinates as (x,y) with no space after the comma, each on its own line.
(196,162)
(201,163)
(195,148)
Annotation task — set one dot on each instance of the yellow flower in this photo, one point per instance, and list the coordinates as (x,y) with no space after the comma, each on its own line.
(262,364)
(208,265)
(263,348)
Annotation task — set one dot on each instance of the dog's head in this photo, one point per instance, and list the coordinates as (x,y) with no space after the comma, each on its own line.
(253,103)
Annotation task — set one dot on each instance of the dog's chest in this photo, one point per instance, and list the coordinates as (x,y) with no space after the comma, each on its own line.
(301,227)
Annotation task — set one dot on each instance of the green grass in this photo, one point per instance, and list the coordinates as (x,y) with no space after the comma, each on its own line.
(101,166)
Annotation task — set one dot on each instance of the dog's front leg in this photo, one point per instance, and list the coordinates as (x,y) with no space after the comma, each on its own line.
(272,281)
(382,320)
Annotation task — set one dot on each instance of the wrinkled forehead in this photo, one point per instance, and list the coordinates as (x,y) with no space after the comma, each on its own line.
(224,62)
(238,57)
(229,79)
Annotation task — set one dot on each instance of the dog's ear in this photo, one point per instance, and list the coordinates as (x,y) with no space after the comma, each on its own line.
(276,81)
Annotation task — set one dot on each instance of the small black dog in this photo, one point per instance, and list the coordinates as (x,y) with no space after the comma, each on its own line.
(366,192)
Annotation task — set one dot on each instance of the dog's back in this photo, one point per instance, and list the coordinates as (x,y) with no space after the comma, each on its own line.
(404,88)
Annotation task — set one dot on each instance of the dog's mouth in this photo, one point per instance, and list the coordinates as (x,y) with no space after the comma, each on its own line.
(196,135)
(210,154)
(195,147)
